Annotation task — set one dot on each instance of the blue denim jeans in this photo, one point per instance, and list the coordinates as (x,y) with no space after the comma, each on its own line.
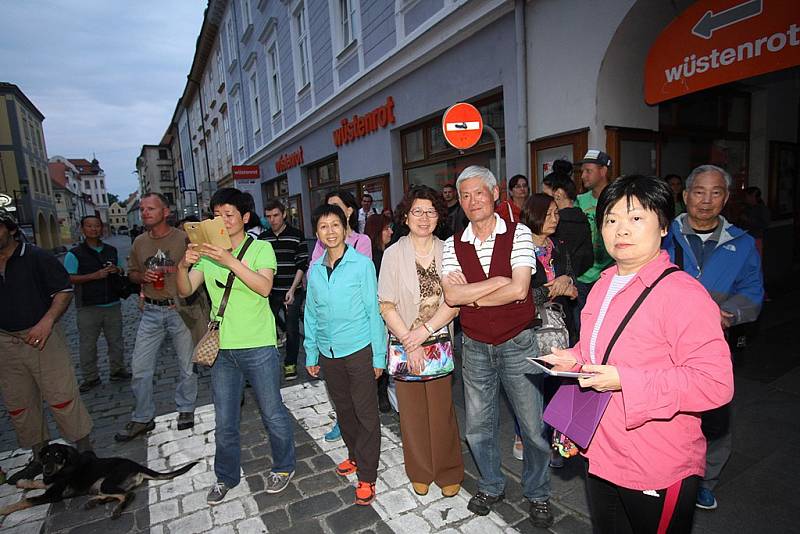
(485,368)
(261,367)
(155,323)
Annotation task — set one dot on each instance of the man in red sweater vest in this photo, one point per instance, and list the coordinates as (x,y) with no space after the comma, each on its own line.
(486,270)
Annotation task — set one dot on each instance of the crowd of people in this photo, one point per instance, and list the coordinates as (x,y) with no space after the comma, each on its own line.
(384,300)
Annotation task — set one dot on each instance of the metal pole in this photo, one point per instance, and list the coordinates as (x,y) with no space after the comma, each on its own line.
(496,139)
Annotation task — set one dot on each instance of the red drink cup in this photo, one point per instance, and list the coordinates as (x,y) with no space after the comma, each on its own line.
(158,283)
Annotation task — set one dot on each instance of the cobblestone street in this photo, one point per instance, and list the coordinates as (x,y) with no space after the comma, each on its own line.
(318,500)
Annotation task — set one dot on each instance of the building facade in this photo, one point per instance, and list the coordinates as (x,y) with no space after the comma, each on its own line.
(117,218)
(93,184)
(25,186)
(155,170)
(316,95)
(71,203)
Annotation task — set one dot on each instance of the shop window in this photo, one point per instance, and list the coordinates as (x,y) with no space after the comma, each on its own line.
(570,146)
(429,160)
(784,161)
(294,213)
(276,189)
(322,178)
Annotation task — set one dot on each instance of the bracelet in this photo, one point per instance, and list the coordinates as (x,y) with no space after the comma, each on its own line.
(430,330)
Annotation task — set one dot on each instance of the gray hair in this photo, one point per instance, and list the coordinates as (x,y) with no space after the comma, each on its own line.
(476,171)
(709,168)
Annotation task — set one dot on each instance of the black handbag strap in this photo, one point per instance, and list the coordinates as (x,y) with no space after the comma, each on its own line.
(633,309)
(229,283)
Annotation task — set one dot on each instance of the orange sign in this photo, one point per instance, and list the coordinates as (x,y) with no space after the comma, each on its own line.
(462,125)
(715,42)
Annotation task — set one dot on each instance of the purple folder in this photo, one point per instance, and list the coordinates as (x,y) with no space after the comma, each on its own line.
(576,412)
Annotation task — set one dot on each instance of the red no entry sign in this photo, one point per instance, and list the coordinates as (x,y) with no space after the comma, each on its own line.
(462,125)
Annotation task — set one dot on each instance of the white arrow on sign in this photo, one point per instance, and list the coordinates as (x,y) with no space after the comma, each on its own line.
(462,126)
(710,22)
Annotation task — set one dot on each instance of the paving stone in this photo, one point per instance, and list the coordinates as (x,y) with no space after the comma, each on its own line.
(480,525)
(122,525)
(392,457)
(228,512)
(321,482)
(571,525)
(269,501)
(254,525)
(163,511)
(446,511)
(176,488)
(397,502)
(255,483)
(195,501)
(314,506)
(409,524)
(311,526)
(322,462)
(26,528)
(352,519)
(196,522)
(276,521)
(395,476)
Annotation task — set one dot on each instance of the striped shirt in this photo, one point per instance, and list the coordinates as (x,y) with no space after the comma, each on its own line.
(291,252)
(617,283)
(521,250)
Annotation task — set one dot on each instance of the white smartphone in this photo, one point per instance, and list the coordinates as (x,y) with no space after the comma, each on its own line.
(547,368)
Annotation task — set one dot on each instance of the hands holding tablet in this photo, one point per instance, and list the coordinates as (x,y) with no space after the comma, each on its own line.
(561,363)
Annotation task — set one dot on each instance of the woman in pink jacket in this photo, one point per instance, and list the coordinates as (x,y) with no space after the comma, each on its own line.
(670,363)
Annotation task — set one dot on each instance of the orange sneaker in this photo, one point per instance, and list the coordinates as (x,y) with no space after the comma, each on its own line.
(365,493)
(348,467)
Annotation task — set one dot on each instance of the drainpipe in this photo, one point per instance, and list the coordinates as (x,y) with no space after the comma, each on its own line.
(522,87)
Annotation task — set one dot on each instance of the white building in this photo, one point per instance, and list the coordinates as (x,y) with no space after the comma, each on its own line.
(117,217)
(154,167)
(93,183)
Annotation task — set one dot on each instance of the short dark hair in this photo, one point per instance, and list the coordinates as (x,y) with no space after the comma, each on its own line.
(420,192)
(366,195)
(512,182)
(534,212)
(347,198)
(159,196)
(653,194)
(92,216)
(189,218)
(323,210)
(274,205)
(452,186)
(556,181)
(755,191)
(243,202)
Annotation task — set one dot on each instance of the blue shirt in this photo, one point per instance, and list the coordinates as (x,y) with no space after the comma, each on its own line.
(71,265)
(342,314)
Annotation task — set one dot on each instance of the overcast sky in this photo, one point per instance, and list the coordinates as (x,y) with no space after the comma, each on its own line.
(106,74)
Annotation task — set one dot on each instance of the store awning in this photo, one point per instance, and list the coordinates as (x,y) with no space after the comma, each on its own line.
(715,42)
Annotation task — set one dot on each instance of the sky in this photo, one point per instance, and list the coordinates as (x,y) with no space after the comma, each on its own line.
(106,74)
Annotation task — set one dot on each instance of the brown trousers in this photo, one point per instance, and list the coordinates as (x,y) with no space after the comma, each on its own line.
(431,443)
(28,377)
(354,392)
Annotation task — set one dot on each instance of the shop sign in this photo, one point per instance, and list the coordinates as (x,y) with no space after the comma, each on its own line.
(715,42)
(246,172)
(361,125)
(287,161)
(462,125)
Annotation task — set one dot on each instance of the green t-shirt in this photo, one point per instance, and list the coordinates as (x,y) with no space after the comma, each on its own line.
(248,320)
(588,204)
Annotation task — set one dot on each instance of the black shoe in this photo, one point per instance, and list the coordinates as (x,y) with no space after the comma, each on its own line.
(89,385)
(29,472)
(185,420)
(120,376)
(481,503)
(541,515)
(133,429)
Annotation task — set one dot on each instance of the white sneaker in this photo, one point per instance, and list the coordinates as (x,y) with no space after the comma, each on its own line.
(518,448)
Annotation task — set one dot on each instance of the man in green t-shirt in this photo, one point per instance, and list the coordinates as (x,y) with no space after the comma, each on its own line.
(595,166)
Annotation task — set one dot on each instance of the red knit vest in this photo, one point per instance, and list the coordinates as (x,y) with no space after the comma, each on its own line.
(492,324)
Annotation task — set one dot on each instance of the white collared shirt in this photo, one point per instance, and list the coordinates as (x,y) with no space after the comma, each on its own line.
(522,254)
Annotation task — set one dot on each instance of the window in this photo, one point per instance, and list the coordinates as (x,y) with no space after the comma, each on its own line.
(217,147)
(237,109)
(86,185)
(231,41)
(227,132)
(220,72)
(166,176)
(347,13)
(247,17)
(274,79)
(163,154)
(322,178)
(105,199)
(255,110)
(301,50)
(102,185)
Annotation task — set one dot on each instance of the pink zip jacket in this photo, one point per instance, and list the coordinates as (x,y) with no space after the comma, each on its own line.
(673,363)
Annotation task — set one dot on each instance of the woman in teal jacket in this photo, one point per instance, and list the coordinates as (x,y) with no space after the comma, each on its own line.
(343,324)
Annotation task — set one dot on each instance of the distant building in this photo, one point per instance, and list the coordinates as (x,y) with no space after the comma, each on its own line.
(117,217)
(71,204)
(25,186)
(93,183)
(133,215)
(154,167)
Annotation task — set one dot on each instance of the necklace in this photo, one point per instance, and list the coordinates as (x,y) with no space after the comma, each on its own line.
(430,251)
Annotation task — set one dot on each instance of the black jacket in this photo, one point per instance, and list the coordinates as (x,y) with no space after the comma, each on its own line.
(573,230)
(103,291)
(562,262)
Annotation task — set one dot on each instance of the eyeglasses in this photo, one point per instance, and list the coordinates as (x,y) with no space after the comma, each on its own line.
(430,213)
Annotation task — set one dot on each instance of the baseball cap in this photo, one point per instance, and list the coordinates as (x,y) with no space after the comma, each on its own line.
(596,156)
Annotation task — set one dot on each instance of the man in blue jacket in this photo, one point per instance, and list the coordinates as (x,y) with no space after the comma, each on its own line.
(724,259)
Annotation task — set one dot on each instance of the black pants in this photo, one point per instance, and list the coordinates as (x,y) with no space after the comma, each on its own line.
(353,390)
(287,318)
(618,510)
